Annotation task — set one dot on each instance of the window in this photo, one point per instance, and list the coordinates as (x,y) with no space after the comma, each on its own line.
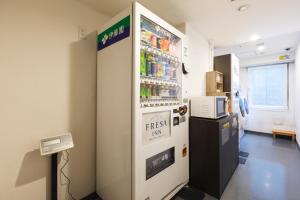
(268,86)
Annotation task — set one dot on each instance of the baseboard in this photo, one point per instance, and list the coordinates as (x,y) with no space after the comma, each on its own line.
(269,135)
(93,196)
(258,133)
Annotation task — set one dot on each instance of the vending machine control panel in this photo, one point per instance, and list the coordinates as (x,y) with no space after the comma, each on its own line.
(176,121)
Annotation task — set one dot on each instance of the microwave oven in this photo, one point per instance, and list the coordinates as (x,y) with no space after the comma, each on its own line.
(212,107)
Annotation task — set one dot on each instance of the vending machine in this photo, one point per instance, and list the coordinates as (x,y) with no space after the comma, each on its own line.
(142,108)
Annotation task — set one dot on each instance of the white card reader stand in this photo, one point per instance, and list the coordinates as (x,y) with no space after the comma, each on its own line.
(52,146)
(56,144)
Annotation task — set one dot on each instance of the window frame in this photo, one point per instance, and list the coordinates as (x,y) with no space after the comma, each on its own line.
(287,89)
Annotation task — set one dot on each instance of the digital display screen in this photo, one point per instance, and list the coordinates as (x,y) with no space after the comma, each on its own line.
(51,142)
(221,106)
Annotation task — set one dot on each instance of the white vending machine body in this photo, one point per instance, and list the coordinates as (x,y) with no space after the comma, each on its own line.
(142,142)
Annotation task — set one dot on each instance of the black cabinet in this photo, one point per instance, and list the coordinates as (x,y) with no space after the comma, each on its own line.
(214,153)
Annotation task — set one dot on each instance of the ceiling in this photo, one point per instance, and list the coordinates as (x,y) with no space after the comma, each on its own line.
(219,20)
(281,44)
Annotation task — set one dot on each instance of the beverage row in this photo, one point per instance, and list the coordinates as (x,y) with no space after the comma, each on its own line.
(155,36)
(157,92)
(148,25)
(164,44)
(157,67)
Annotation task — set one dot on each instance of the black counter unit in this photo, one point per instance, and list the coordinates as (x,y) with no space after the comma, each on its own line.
(214,153)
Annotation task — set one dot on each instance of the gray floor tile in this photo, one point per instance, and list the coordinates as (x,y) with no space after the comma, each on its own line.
(272,171)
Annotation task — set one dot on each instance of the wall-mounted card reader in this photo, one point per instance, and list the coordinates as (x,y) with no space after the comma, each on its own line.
(56,144)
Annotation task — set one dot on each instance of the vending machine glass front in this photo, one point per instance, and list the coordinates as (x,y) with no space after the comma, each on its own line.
(160,62)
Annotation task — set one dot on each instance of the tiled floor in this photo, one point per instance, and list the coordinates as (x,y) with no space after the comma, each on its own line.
(271,172)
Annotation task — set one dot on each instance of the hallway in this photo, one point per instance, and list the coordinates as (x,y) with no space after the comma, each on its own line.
(271,171)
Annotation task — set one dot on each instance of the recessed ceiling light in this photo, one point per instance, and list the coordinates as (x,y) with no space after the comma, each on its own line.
(254,38)
(260,47)
(244,8)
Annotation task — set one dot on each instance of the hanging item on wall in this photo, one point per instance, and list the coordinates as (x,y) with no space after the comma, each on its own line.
(246,105)
(242,107)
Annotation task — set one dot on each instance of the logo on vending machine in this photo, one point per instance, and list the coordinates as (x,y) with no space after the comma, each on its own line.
(156,126)
(115,33)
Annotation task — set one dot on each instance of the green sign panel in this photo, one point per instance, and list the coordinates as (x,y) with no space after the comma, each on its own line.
(115,33)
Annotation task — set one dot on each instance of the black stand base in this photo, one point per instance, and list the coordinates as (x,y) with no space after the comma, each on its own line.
(189,193)
(54,176)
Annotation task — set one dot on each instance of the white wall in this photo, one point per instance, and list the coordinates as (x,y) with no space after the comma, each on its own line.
(200,55)
(297,93)
(266,59)
(47,84)
(263,120)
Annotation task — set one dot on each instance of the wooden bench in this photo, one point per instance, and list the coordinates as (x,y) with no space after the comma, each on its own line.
(284,132)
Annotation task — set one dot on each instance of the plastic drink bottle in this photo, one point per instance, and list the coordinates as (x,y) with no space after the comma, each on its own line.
(172,48)
(161,43)
(142,91)
(148,91)
(158,42)
(145,91)
(167,70)
(143,64)
(163,70)
(164,92)
(148,64)
(158,70)
(158,90)
(153,90)
(153,67)
(144,36)
(173,92)
(153,41)
(174,73)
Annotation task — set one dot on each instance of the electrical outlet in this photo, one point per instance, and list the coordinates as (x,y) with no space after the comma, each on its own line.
(82,31)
